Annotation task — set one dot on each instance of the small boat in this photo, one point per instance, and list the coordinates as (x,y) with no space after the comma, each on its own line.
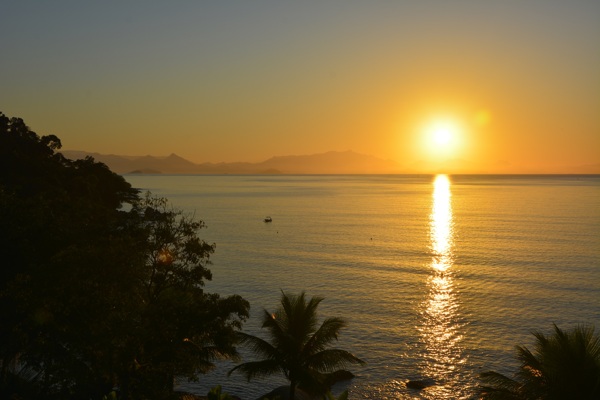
(268,219)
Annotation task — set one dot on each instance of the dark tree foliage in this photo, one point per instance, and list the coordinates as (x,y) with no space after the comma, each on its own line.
(99,287)
(564,365)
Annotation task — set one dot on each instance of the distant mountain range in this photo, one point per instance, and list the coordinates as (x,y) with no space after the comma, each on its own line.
(333,162)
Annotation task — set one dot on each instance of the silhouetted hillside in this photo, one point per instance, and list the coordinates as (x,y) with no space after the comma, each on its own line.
(333,162)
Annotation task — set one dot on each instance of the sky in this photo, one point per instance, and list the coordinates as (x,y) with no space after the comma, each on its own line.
(479,86)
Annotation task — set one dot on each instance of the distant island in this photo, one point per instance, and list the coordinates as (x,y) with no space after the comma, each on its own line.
(333,162)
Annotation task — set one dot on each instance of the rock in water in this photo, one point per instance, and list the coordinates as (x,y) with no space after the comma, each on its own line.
(419,384)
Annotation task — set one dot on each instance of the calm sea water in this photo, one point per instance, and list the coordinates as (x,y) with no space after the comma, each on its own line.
(439,276)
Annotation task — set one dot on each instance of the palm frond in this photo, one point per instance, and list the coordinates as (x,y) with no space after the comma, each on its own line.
(587,334)
(565,364)
(257,369)
(298,315)
(277,325)
(332,359)
(498,387)
(257,345)
(327,333)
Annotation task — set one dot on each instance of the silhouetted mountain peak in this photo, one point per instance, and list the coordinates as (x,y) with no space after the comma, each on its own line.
(331,162)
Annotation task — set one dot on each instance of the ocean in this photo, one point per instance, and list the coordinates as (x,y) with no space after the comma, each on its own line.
(439,277)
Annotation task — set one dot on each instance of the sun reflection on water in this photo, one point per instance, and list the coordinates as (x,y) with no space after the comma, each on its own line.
(441,224)
(440,323)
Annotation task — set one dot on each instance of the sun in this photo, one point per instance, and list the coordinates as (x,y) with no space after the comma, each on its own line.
(442,133)
(441,137)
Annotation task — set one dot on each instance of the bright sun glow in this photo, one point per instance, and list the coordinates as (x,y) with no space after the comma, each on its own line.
(442,133)
(442,137)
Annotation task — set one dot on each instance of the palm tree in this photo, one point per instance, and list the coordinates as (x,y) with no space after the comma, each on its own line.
(565,365)
(298,346)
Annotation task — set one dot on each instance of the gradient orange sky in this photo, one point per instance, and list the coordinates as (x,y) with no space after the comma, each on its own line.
(519,81)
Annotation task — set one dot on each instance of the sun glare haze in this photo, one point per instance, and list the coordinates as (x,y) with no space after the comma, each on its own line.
(442,137)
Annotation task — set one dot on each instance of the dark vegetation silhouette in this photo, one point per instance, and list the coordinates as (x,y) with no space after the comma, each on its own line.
(100,287)
(298,346)
(564,365)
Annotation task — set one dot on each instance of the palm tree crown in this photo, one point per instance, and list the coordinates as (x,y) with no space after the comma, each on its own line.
(565,365)
(298,345)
